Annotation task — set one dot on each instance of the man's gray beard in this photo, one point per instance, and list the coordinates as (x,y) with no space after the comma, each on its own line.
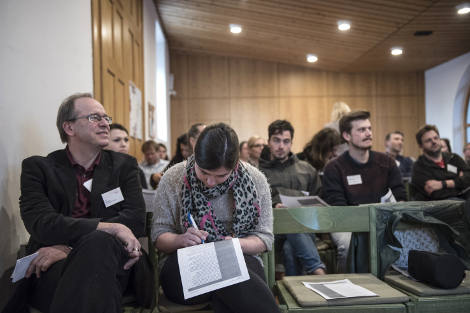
(432,154)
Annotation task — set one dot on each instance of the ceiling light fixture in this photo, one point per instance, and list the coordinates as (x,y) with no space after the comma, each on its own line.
(312,58)
(396,50)
(234,28)
(463,8)
(344,25)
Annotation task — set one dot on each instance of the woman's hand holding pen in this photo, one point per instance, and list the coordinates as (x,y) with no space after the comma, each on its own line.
(193,236)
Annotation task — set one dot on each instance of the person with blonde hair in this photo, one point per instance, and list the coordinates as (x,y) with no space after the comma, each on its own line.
(340,109)
(255,146)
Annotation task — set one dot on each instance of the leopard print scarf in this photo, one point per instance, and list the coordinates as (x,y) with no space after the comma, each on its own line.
(197,199)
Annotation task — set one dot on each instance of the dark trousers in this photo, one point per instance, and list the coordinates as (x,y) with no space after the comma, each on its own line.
(91,279)
(252,295)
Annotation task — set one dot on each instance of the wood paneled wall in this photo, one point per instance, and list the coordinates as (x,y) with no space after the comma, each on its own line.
(250,94)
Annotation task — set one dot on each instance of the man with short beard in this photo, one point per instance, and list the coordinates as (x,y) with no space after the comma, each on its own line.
(289,176)
(438,175)
(359,176)
(394,148)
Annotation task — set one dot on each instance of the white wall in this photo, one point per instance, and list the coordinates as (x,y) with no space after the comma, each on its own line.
(150,68)
(45,55)
(446,88)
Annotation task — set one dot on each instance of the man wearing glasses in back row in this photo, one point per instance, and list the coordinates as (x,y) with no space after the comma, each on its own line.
(84,209)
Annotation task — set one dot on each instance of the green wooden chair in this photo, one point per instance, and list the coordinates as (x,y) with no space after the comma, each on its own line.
(294,297)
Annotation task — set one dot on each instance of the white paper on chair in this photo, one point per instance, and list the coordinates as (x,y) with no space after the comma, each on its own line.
(211,266)
(339,289)
(296,202)
(389,197)
(21,266)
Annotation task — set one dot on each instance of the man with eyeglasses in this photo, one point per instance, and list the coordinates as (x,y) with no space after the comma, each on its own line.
(439,175)
(84,209)
(290,176)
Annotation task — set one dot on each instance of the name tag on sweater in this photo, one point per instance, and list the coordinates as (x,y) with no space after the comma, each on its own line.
(451,168)
(112,197)
(354,180)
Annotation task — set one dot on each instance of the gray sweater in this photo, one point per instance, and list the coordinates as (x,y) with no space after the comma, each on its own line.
(167,210)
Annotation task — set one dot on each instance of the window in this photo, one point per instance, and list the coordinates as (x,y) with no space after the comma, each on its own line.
(467,120)
(162,97)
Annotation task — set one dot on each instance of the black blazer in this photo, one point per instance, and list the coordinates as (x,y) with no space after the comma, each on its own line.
(48,195)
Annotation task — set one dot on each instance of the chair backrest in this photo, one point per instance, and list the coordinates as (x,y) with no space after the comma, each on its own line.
(326,220)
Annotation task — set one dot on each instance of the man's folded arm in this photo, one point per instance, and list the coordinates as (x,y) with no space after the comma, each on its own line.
(462,182)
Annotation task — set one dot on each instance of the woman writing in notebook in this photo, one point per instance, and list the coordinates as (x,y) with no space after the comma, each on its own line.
(227,199)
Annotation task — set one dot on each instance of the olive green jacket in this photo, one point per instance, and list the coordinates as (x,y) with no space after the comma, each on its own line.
(290,177)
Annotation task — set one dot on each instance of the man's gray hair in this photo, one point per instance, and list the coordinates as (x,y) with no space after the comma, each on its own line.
(67,112)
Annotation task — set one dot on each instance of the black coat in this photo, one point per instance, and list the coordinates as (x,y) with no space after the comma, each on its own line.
(48,195)
(424,169)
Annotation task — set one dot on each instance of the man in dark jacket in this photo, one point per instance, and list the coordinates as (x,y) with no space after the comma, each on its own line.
(359,175)
(290,176)
(438,175)
(394,148)
(84,209)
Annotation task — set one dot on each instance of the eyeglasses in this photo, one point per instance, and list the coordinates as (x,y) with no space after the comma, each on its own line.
(258,146)
(95,118)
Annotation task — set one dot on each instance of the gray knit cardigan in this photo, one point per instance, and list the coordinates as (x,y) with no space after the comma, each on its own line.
(167,209)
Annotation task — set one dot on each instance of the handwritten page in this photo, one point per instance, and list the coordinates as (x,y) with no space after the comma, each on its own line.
(296,202)
(211,266)
(339,289)
(21,266)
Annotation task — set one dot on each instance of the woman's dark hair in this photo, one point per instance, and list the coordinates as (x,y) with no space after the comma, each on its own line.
(316,151)
(117,126)
(160,145)
(178,157)
(447,141)
(216,147)
(241,145)
(183,139)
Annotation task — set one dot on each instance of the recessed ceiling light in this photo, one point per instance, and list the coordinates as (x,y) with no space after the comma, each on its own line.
(463,8)
(234,28)
(312,58)
(344,25)
(396,50)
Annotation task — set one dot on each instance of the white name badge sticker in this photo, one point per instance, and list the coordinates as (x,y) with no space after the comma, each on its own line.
(87,184)
(354,180)
(112,197)
(451,168)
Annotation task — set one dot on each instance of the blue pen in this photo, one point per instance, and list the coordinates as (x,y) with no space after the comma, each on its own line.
(193,223)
